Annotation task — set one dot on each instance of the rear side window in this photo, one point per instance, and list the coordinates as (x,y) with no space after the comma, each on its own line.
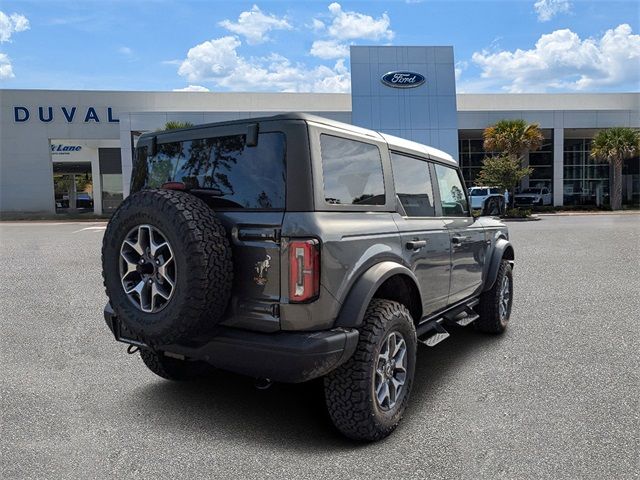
(352,172)
(452,197)
(244,177)
(413,185)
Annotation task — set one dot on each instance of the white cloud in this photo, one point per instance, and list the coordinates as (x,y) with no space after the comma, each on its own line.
(125,51)
(547,9)
(351,25)
(254,25)
(192,88)
(561,60)
(317,25)
(6,70)
(10,24)
(217,61)
(346,25)
(210,59)
(328,49)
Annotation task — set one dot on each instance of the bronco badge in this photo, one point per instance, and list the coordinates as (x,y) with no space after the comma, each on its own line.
(261,270)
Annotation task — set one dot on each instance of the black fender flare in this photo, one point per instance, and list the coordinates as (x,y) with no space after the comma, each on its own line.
(354,307)
(501,248)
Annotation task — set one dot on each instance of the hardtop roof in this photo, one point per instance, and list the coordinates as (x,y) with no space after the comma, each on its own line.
(395,143)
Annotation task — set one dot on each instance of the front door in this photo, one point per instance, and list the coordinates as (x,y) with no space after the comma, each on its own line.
(425,238)
(467,238)
(73,187)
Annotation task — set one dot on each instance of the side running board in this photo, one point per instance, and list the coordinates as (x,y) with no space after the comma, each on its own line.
(435,335)
(432,331)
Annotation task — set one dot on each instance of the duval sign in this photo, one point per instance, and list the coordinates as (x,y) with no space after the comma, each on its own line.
(47,114)
(402,79)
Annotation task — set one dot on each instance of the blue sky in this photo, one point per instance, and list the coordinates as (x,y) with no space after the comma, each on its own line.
(500,46)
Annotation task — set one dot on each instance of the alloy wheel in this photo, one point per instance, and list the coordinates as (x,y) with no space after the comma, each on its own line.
(147,268)
(504,299)
(391,371)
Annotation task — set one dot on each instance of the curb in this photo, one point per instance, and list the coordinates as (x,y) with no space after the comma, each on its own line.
(569,214)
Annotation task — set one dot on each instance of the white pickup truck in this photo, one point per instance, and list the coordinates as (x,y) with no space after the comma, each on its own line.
(479,194)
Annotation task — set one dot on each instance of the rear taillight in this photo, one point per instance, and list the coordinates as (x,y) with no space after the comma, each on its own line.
(304,270)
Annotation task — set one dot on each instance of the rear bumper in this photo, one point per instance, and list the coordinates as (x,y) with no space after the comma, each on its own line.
(283,356)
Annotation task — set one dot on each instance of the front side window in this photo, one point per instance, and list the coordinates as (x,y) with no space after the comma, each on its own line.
(452,197)
(352,172)
(240,176)
(413,185)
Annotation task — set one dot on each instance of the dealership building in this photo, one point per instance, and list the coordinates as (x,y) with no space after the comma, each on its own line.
(71,151)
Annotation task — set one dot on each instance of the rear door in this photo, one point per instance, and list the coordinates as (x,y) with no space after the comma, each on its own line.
(424,237)
(466,236)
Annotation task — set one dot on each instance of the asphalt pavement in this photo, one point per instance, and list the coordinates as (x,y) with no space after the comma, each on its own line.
(557,396)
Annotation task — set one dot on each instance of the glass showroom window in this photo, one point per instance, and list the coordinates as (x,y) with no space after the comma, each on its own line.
(586,181)
(542,163)
(471,148)
(631,182)
(471,154)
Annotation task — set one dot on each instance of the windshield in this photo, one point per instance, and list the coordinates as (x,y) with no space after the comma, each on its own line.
(535,191)
(478,192)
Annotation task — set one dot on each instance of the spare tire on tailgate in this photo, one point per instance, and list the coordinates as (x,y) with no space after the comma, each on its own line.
(166,263)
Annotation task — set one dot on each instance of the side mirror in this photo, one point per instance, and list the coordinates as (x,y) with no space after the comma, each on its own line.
(493,205)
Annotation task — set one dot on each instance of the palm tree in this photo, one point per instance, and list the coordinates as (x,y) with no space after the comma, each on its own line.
(512,139)
(175,125)
(615,145)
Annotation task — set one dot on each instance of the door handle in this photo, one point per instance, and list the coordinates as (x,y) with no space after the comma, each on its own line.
(459,240)
(416,244)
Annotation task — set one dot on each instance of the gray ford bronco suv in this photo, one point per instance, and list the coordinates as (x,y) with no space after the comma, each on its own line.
(295,247)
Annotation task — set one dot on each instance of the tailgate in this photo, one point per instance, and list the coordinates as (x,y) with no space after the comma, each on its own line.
(255,240)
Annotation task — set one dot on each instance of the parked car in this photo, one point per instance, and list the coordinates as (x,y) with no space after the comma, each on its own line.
(533,196)
(479,194)
(295,247)
(84,200)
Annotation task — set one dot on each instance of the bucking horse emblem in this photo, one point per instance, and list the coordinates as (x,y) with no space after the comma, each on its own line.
(261,270)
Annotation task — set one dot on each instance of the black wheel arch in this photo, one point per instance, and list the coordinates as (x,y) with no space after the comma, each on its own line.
(388,280)
(501,250)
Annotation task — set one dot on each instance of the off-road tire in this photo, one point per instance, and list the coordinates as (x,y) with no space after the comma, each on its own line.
(349,390)
(488,309)
(204,269)
(170,368)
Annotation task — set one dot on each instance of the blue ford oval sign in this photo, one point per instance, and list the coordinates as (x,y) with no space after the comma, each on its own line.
(403,79)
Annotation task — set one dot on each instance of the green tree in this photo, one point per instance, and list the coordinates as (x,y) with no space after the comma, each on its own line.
(174,125)
(615,145)
(502,171)
(514,138)
(511,140)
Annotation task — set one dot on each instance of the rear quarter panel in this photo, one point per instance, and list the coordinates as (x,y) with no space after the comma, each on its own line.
(351,242)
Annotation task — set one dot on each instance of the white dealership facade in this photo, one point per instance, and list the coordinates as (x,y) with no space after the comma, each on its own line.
(68,151)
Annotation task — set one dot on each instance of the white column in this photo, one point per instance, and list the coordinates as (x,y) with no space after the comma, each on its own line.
(558,167)
(126,157)
(97,184)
